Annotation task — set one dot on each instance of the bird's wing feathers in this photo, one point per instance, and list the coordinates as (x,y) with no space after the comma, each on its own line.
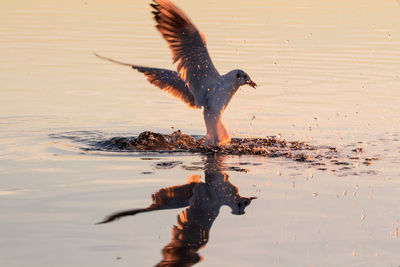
(188,48)
(164,79)
(168,81)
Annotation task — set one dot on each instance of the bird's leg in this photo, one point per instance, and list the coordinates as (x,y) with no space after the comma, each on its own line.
(222,133)
(216,133)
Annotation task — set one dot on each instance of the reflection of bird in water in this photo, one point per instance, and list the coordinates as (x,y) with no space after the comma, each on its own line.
(194,223)
(197,82)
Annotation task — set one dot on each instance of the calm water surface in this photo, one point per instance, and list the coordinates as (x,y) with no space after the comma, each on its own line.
(328,73)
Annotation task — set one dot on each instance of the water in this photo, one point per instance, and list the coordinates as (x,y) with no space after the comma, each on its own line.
(328,74)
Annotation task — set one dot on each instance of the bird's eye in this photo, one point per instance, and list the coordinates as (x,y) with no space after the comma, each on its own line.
(245,77)
(237,75)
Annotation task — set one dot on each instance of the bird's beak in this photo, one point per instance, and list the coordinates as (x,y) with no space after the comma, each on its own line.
(252,84)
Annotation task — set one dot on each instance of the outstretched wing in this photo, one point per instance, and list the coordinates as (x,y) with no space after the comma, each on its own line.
(188,48)
(120,214)
(164,79)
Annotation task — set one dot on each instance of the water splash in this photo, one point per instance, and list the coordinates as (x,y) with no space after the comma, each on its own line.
(343,161)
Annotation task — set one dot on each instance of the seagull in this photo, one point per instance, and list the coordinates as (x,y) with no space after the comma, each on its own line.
(196,82)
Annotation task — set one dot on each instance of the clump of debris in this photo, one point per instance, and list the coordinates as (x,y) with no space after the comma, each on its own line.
(271,146)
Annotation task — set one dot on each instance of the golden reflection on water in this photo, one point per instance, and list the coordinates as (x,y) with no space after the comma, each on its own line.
(204,200)
(327,70)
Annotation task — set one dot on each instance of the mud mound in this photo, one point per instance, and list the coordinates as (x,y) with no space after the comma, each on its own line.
(179,142)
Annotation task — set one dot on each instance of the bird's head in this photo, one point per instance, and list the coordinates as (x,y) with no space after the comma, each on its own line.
(243,78)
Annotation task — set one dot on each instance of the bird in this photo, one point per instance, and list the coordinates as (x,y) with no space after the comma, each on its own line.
(196,81)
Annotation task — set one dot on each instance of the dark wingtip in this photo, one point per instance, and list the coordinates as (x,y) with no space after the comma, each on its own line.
(106,220)
(155,6)
(118,215)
